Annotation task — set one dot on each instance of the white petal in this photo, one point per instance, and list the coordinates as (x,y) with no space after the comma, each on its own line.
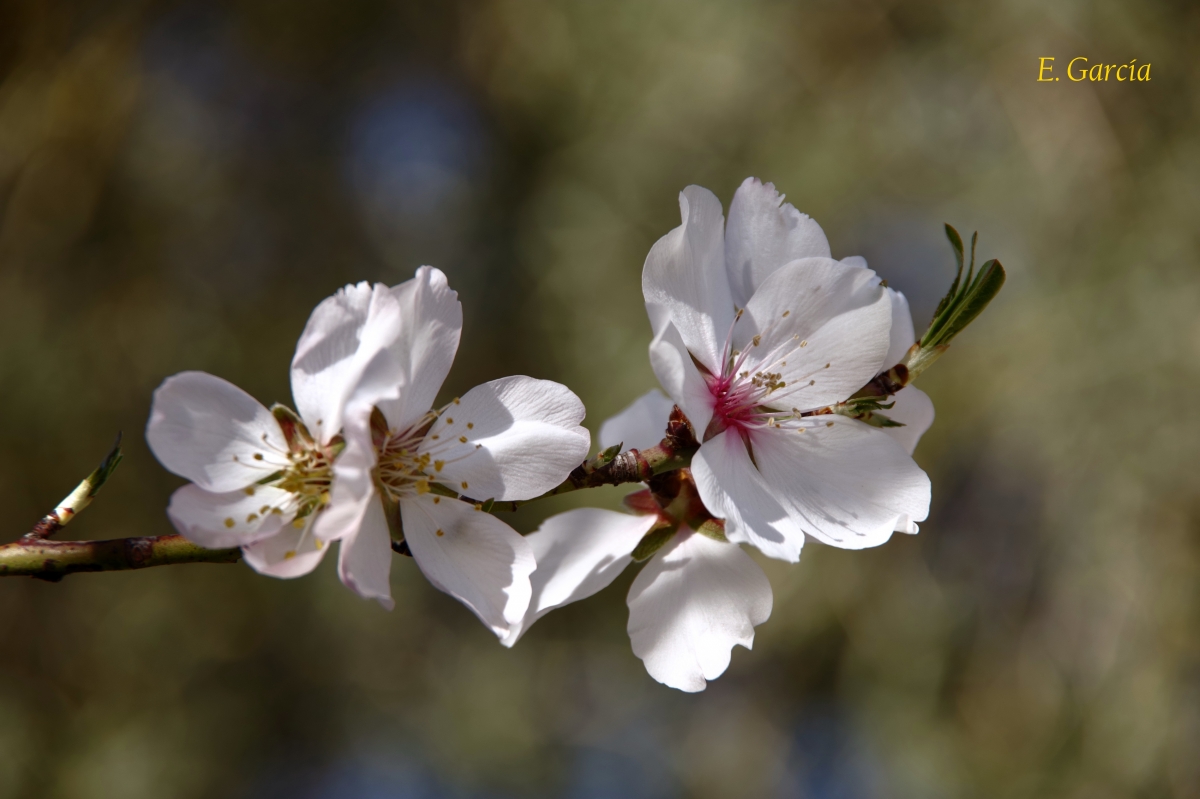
(289,553)
(417,364)
(902,335)
(477,559)
(355,516)
(684,278)
(763,234)
(211,432)
(365,557)
(344,336)
(691,604)
(232,519)
(353,488)
(733,489)
(641,425)
(678,374)
(848,484)
(914,410)
(578,553)
(522,438)
(821,325)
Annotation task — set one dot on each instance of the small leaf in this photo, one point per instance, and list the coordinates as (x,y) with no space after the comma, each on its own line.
(607,455)
(957,243)
(974,299)
(107,466)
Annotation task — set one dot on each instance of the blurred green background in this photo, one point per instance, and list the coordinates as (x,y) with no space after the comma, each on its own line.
(181,183)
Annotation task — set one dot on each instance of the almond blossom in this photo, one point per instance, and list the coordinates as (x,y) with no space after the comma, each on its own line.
(697,596)
(759,335)
(260,478)
(405,466)
(282,486)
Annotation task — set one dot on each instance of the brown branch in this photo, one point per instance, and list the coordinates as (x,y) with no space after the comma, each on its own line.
(53,560)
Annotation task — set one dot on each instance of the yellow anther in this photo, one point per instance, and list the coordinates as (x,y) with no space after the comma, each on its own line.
(298,524)
(440,533)
(785,313)
(422,486)
(252,517)
(249,491)
(456,400)
(291,553)
(757,340)
(804,343)
(449,420)
(264,509)
(258,456)
(436,500)
(464,485)
(829,424)
(230,522)
(470,425)
(463,439)
(437,465)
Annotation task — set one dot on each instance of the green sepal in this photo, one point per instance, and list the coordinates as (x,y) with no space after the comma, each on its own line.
(879,420)
(487,504)
(866,409)
(714,529)
(653,541)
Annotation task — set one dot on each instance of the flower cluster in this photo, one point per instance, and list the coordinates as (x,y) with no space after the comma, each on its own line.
(777,361)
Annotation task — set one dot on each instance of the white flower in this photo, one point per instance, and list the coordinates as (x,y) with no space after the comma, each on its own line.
(261,478)
(756,383)
(281,487)
(510,439)
(691,603)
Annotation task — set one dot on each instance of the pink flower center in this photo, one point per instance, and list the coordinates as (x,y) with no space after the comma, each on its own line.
(737,398)
(739,394)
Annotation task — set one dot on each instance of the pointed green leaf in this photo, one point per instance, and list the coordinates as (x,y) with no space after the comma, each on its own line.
(971,304)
